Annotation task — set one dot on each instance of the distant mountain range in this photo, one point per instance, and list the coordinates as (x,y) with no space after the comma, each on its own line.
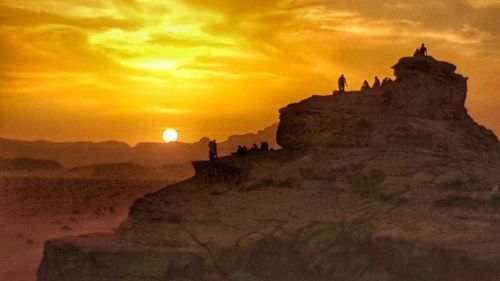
(150,154)
(30,167)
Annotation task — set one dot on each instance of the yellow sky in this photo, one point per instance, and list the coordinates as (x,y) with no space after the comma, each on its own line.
(128,69)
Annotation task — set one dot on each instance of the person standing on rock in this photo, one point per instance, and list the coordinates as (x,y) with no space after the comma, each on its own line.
(423,50)
(212,150)
(215,149)
(376,83)
(342,83)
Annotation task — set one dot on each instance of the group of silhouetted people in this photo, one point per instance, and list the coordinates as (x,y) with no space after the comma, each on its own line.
(212,149)
(342,81)
(264,146)
(366,85)
(376,83)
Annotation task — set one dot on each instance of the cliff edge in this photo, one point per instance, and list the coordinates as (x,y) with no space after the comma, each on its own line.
(391,183)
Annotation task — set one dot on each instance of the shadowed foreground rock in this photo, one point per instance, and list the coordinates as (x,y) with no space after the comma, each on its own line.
(387,184)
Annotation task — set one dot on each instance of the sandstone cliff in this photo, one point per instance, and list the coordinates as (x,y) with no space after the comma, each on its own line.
(387,184)
(423,109)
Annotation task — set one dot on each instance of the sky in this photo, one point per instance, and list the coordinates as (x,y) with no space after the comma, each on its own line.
(126,70)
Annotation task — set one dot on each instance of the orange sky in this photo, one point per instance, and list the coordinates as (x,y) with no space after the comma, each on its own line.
(128,69)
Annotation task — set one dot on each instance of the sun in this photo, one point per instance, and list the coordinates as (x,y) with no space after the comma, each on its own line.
(170,135)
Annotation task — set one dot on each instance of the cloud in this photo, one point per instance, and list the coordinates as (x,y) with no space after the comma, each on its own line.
(49,49)
(169,110)
(233,9)
(165,39)
(11,16)
(130,3)
(483,4)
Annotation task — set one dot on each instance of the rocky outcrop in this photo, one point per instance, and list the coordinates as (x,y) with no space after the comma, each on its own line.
(422,109)
(364,189)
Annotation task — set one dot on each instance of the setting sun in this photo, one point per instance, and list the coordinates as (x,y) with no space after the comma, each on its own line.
(170,135)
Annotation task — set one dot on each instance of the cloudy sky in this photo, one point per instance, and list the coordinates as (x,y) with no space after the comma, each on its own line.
(127,69)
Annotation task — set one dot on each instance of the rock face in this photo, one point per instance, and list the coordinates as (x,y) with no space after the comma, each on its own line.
(388,184)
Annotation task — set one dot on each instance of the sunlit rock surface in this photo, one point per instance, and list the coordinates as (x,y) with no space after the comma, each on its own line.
(388,184)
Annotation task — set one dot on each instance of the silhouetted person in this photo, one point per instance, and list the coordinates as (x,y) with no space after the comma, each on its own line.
(215,148)
(254,148)
(417,53)
(212,150)
(264,146)
(241,150)
(342,83)
(423,50)
(386,81)
(376,83)
(365,86)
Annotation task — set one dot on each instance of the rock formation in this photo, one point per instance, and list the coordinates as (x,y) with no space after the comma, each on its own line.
(423,109)
(388,184)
